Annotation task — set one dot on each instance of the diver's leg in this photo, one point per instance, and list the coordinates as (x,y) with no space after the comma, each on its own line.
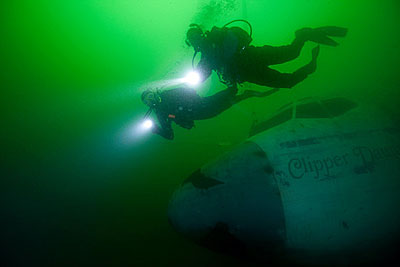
(272,78)
(272,55)
(250,93)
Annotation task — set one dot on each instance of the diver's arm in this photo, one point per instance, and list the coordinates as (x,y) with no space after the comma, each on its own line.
(165,128)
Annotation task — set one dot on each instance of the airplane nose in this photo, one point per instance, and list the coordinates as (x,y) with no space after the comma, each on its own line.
(232,205)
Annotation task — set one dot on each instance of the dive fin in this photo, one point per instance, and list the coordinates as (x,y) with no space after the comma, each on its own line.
(333,31)
(323,39)
(320,35)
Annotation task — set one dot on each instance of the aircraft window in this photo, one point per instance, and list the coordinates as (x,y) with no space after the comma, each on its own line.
(338,106)
(329,108)
(311,110)
(272,122)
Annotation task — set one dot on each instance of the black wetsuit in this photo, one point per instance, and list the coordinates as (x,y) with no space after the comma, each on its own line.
(228,52)
(183,106)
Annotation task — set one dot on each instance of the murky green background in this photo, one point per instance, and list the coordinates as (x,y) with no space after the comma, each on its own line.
(78,187)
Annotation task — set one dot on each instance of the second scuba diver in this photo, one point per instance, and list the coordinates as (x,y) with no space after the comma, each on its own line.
(227,51)
(183,106)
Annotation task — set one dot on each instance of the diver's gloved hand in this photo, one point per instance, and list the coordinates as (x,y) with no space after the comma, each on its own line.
(320,35)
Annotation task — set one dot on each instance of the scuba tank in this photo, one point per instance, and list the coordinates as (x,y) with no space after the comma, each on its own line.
(216,33)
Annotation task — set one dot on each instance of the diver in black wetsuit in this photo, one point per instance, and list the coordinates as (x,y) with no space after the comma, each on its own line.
(227,51)
(183,106)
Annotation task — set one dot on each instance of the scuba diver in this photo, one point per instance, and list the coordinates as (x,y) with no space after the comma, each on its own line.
(227,51)
(183,106)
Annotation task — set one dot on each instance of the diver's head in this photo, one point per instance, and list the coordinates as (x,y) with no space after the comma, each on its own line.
(195,37)
(150,98)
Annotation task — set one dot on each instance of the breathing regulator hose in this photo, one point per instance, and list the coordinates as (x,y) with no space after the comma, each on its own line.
(147,115)
(241,20)
(194,56)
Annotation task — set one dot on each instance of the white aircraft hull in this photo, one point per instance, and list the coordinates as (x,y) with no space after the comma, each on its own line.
(306,189)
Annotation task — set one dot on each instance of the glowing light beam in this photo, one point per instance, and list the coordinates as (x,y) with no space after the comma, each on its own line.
(192,78)
(147,124)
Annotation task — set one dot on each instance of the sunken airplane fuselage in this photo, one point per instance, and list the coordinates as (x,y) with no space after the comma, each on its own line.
(317,182)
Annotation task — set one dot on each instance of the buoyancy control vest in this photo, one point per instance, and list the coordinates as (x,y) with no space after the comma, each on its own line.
(227,43)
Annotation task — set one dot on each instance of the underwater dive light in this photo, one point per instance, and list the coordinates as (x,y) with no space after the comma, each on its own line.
(147,124)
(192,78)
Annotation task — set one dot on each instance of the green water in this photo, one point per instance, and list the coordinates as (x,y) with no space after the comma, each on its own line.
(76,187)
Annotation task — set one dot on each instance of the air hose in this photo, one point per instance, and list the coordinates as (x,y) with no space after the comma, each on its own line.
(241,20)
(194,56)
(147,114)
